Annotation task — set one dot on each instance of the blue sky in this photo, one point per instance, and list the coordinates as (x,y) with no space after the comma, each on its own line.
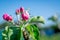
(45,8)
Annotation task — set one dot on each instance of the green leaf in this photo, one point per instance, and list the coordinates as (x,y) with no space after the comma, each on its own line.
(53,18)
(7,33)
(33,31)
(37,19)
(12,33)
(20,34)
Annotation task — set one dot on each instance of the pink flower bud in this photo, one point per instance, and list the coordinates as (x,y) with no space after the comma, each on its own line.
(17,11)
(21,9)
(25,16)
(7,17)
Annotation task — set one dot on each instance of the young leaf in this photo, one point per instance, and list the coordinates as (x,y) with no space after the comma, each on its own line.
(33,31)
(37,19)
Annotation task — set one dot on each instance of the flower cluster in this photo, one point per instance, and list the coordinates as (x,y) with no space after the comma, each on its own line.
(24,15)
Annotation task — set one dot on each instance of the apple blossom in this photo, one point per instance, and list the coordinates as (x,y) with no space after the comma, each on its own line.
(25,15)
(7,17)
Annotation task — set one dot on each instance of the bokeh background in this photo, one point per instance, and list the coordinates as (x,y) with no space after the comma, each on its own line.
(45,8)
